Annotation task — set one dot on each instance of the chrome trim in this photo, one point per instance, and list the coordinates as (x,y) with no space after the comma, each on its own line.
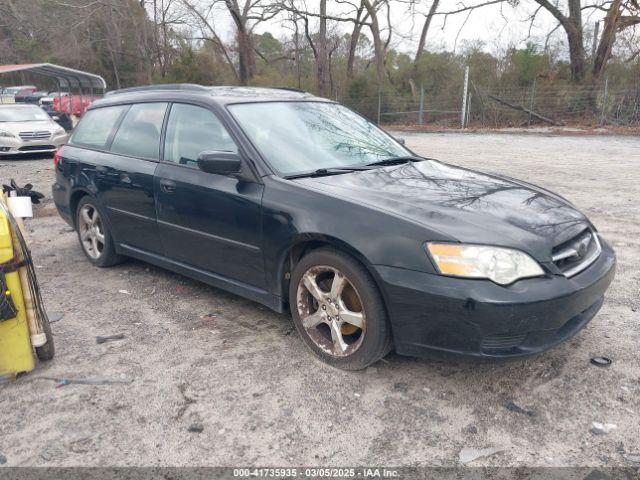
(587,261)
(569,252)
(35,135)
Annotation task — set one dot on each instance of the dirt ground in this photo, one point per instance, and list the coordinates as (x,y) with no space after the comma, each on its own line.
(243,374)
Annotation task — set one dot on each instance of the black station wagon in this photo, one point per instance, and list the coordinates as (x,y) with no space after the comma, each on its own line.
(299,203)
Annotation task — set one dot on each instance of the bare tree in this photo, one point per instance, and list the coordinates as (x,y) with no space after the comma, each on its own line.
(425,29)
(361,17)
(620,16)
(246,15)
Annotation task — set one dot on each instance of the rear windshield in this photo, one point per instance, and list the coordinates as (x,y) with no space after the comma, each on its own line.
(22,114)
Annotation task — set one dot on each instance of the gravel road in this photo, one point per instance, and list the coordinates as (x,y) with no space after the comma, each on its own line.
(198,355)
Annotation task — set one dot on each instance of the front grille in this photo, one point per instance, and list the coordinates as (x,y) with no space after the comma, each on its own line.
(39,135)
(503,341)
(577,253)
(33,148)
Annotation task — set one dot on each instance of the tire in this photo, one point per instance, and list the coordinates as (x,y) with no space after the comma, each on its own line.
(46,351)
(348,327)
(97,244)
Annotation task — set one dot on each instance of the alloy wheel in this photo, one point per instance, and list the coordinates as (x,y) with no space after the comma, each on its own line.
(331,311)
(91,231)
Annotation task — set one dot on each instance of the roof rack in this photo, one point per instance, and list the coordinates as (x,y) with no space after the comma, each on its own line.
(164,86)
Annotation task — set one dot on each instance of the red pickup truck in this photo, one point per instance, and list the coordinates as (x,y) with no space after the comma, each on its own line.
(73,104)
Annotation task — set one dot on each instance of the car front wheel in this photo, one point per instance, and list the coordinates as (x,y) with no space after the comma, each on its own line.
(338,310)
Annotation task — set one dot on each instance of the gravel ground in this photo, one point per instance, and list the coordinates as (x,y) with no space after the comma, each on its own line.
(243,374)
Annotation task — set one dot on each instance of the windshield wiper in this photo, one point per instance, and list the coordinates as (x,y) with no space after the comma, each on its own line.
(323,172)
(395,161)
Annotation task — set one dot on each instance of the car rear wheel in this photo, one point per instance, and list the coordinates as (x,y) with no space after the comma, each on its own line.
(338,310)
(93,233)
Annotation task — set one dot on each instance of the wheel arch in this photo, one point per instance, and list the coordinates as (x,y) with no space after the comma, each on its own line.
(74,200)
(301,245)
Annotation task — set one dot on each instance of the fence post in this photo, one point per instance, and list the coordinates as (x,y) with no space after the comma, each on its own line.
(421,113)
(463,115)
(532,100)
(605,99)
(379,104)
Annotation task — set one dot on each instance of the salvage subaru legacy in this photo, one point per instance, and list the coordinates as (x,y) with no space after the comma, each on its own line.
(300,204)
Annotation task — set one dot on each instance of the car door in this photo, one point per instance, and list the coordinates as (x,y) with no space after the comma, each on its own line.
(124,176)
(211,222)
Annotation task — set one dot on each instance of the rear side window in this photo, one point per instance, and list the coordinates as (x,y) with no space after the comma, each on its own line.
(96,127)
(139,133)
(192,130)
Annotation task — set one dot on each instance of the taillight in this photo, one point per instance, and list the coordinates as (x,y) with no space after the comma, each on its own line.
(57,157)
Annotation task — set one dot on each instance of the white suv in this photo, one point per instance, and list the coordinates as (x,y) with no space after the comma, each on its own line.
(26,129)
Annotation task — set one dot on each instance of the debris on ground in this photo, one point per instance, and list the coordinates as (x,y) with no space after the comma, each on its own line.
(209,317)
(195,428)
(107,338)
(472,429)
(632,457)
(598,428)
(55,316)
(62,381)
(3,459)
(401,387)
(601,361)
(126,292)
(513,407)
(470,454)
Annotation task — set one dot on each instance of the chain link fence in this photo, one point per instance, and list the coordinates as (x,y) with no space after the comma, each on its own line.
(499,107)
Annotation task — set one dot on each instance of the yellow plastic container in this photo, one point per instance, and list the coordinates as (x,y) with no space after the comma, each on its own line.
(16,354)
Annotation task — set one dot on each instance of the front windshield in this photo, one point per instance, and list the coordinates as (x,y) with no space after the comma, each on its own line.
(22,114)
(298,137)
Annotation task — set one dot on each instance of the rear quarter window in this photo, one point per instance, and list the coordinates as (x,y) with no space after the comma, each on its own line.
(96,126)
(139,133)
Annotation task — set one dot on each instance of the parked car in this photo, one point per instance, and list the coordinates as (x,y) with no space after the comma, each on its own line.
(302,205)
(8,93)
(46,102)
(27,129)
(34,97)
(73,104)
(23,93)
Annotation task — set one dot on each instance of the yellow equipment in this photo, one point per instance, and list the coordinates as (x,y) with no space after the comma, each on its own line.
(16,353)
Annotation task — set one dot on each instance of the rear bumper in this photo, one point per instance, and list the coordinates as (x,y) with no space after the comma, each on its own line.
(436,314)
(61,199)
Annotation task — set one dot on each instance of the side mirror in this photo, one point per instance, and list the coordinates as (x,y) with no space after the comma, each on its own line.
(221,163)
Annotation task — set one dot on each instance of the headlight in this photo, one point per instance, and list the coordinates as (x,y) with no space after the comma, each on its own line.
(500,265)
(6,134)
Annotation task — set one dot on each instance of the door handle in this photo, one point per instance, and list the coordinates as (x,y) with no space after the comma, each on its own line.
(167,186)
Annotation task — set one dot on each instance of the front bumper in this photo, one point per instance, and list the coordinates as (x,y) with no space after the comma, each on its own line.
(18,146)
(437,314)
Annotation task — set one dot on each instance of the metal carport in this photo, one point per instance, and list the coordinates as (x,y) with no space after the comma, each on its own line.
(70,78)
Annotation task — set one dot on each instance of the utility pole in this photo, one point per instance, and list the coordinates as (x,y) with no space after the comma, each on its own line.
(463,114)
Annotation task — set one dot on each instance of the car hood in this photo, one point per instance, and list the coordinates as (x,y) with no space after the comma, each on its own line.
(463,205)
(17,127)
